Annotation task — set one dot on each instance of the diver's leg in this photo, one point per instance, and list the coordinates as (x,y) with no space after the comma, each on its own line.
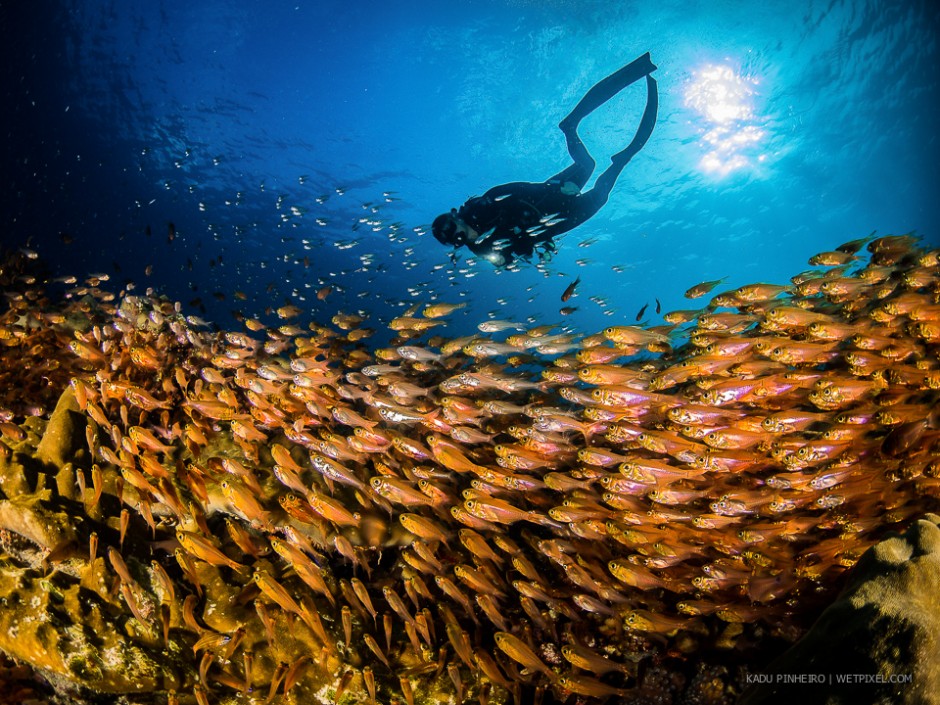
(579,172)
(597,196)
(607,88)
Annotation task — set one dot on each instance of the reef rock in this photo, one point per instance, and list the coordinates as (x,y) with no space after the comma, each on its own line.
(878,642)
(73,637)
(64,434)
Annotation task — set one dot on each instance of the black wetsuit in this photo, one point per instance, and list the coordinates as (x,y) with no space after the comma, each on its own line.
(512,220)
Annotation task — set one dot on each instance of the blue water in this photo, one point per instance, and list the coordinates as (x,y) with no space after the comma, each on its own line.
(297,145)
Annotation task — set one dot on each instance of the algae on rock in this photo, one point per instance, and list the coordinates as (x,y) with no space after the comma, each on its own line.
(878,642)
(73,637)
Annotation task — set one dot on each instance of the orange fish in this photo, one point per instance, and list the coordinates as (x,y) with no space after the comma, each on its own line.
(703,288)
(519,651)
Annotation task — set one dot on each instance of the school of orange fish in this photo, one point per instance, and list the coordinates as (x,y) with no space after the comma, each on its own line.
(498,513)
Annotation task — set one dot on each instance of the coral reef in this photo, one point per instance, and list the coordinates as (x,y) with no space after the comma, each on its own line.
(645,513)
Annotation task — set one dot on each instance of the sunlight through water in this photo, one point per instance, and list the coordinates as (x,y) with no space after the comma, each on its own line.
(729,129)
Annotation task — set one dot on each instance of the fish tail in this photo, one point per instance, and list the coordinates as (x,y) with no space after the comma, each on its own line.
(545,521)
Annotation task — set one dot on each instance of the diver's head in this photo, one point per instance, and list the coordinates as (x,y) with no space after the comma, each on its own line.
(446,229)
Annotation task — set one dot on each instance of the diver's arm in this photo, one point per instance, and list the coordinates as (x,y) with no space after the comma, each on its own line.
(484,250)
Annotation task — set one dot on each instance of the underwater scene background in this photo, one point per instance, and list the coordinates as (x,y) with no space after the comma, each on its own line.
(264,439)
(784,129)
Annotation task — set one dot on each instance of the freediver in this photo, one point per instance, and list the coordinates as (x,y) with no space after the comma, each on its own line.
(512,220)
